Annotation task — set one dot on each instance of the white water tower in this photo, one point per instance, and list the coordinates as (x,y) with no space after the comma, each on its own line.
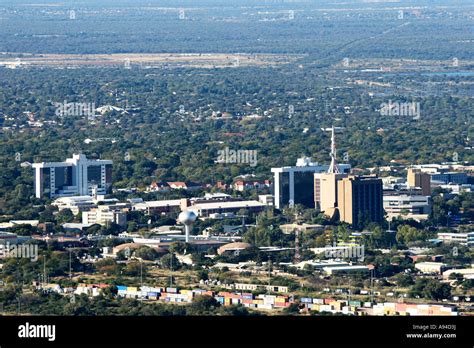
(187,218)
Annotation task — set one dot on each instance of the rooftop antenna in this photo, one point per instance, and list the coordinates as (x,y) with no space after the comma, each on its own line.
(333,168)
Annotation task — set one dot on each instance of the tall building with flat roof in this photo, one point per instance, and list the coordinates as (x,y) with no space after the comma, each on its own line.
(77,176)
(360,200)
(296,184)
(416,178)
(325,190)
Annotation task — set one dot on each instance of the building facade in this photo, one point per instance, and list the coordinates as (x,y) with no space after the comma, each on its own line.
(205,210)
(450,177)
(103,215)
(416,178)
(325,190)
(430,267)
(460,238)
(295,185)
(360,200)
(408,206)
(77,176)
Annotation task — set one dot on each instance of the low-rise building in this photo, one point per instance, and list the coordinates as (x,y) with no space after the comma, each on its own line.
(290,228)
(242,185)
(236,247)
(206,209)
(467,273)
(256,287)
(75,227)
(76,204)
(159,207)
(158,187)
(346,269)
(407,206)
(266,199)
(413,309)
(460,238)
(450,177)
(7,237)
(91,290)
(103,215)
(79,204)
(458,188)
(319,265)
(33,223)
(181,185)
(430,267)
(392,180)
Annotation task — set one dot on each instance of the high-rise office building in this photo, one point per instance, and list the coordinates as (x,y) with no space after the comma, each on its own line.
(325,184)
(416,178)
(360,200)
(295,185)
(77,176)
(325,190)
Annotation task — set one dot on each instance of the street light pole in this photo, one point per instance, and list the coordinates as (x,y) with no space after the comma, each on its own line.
(44,270)
(269,271)
(171,271)
(70,264)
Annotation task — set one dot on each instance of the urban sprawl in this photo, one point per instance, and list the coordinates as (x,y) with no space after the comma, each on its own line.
(310,238)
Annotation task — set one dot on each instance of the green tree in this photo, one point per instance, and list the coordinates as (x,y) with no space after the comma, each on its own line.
(203,305)
(64,216)
(170,261)
(404,280)
(146,253)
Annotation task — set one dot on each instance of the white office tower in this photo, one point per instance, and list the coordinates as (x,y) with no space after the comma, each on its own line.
(77,176)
